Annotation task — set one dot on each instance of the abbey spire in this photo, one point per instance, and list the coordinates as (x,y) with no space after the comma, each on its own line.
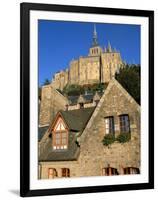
(95,39)
(109,49)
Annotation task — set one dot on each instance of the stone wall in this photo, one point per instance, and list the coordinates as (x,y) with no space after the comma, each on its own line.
(117,155)
(94,156)
(51,102)
(111,62)
(89,70)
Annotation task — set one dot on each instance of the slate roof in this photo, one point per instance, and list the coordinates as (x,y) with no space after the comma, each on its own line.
(76,121)
(41,132)
(69,154)
(88,98)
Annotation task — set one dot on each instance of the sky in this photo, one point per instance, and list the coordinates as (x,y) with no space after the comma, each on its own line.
(60,41)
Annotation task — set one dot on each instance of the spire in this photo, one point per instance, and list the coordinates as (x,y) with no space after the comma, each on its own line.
(95,39)
(109,49)
(115,50)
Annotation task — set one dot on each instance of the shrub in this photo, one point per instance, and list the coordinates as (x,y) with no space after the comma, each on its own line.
(108,139)
(73,90)
(123,137)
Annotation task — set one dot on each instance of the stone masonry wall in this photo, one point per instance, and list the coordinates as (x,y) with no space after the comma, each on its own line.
(51,102)
(117,155)
(111,62)
(86,70)
(94,156)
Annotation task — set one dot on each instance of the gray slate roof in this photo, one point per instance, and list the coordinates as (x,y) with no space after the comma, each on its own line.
(76,121)
(88,98)
(41,132)
(71,153)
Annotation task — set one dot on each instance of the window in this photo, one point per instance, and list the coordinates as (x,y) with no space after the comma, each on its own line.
(52,173)
(65,172)
(60,140)
(109,125)
(131,170)
(124,124)
(60,136)
(109,171)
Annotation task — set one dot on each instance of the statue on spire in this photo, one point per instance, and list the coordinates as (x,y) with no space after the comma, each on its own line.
(95,39)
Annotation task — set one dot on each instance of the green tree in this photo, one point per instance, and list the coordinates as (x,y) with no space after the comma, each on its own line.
(129,78)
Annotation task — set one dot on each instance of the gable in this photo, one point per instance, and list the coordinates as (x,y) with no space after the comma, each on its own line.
(114,100)
(59,125)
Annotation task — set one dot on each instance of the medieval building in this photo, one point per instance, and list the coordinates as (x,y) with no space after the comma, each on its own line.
(98,67)
(72,128)
(71,145)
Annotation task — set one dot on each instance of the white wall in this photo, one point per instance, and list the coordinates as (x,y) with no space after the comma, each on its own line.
(9,97)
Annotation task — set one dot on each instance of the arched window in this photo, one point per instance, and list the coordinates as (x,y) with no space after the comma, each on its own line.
(65,172)
(131,170)
(52,173)
(109,171)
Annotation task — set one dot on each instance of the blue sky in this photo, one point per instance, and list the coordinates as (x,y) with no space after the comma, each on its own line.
(59,42)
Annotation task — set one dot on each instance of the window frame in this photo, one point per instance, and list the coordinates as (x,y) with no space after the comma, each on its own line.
(60,145)
(54,173)
(111,125)
(128,170)
(109,171)
(122,124)
(60,133)
(66,172)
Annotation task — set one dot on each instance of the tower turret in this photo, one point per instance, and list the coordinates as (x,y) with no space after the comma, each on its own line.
(95,49)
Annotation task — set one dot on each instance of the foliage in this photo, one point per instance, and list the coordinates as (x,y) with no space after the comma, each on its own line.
(72,89)
(75,89)
(108,139)
(123,137)
(129,77)
(46,82)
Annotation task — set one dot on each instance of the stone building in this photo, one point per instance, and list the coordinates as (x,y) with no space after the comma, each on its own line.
(51,102)
(99,66)
(71,145)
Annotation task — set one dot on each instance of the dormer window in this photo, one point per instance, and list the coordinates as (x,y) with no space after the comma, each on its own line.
(60,135)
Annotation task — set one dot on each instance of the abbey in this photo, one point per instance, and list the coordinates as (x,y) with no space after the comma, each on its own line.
(98,67)
(90,134)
